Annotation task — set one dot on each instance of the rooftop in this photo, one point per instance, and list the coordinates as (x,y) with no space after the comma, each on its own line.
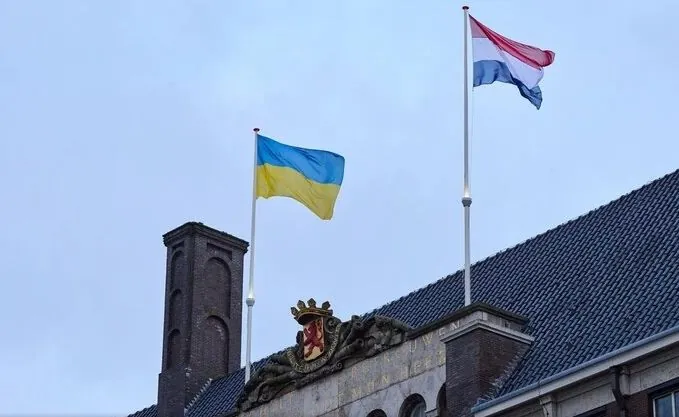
(589,286)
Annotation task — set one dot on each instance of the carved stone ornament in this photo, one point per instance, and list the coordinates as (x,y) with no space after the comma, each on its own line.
(324,346)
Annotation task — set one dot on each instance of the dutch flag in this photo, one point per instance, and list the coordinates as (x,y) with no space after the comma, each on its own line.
(497,58)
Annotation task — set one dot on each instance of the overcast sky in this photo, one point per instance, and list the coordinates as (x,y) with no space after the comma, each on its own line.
(122,119)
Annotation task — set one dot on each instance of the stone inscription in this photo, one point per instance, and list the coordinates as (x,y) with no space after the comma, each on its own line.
(404,362)
(441,331)
(279,406)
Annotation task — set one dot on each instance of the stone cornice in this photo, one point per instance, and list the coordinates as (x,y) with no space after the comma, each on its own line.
(465,311)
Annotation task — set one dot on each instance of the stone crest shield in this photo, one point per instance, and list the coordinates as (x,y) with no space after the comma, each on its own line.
(313,339)
(318,339)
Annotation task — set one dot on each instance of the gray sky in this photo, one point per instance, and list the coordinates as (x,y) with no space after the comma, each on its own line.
(121,120)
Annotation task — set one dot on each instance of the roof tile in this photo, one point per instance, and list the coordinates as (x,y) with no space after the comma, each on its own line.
(592,285)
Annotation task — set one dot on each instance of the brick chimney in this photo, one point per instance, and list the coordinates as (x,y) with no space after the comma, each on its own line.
(483,345)
(203,308)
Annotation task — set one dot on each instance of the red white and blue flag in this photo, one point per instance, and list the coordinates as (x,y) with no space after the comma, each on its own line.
(497,58)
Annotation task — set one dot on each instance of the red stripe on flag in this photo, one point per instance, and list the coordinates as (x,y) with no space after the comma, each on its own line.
(530,55)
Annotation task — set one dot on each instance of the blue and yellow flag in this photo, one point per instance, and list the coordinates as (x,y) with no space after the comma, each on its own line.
(312,177)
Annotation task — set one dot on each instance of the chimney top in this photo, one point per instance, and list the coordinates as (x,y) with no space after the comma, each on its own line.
(197,228)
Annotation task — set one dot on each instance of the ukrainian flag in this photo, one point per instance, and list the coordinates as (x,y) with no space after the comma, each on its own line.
(312,177)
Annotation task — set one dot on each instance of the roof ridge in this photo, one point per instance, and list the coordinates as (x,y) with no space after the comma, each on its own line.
(143,410)
(199,394)
(535,237)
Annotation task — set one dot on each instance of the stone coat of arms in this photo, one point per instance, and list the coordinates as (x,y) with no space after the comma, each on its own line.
(325,345)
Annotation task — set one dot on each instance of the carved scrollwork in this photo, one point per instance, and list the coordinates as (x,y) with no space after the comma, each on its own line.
(352,340)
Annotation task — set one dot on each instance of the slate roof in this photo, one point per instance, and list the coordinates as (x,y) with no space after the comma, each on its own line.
(592,285)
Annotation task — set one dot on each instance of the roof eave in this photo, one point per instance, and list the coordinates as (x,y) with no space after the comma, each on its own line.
(583,371)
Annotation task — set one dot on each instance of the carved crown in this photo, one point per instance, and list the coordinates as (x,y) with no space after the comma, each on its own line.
(306,312)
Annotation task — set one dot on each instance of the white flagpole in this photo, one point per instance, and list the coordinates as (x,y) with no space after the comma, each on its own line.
(250,300)
(467,195)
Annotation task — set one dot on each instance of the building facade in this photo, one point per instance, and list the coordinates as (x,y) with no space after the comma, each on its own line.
(582,320)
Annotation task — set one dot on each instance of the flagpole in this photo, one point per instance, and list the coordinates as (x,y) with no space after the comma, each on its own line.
(467,196)
(250,300)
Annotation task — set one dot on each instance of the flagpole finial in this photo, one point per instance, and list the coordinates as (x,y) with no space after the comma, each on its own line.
(465,7)
(256,129)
